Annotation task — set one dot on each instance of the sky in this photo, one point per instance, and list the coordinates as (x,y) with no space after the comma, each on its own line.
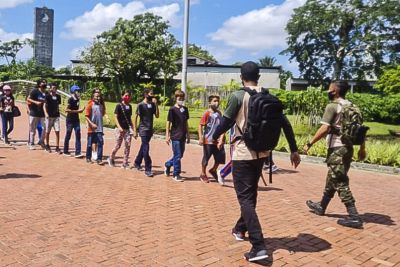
(231,30)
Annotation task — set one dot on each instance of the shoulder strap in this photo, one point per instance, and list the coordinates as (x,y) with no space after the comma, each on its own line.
(123,112)
(249,91)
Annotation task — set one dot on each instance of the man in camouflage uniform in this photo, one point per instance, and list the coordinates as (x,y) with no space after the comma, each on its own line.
(338,159)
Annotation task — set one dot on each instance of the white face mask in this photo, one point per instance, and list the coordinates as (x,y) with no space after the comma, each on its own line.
(180,102)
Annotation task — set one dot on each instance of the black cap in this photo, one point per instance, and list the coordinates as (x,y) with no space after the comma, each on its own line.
(250,71)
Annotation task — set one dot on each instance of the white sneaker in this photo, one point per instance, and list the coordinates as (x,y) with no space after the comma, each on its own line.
(221,180)
(274,168)
(177,178)
(94,155)
(31,147)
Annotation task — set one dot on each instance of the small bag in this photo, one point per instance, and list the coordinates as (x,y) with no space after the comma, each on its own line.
(16,112)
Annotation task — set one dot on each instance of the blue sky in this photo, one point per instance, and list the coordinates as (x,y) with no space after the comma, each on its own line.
(231,30)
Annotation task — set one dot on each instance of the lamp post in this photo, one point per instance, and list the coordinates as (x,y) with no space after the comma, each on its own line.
(185,46)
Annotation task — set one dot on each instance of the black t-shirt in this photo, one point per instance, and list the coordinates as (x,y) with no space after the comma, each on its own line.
(146,113)
(52,105)
(37,110)
(119,110)
(178,117)
(73,104)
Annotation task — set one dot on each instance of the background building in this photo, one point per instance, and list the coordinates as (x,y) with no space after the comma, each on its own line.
(43,36)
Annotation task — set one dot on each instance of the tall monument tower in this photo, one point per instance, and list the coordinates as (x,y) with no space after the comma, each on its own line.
(43,36)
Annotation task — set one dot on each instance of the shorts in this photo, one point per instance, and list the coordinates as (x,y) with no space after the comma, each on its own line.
(212,150)
(52,123)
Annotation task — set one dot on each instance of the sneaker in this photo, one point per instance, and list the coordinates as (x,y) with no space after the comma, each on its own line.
(125,166)
(111,162)
(177,178)
(32,147)
(167,171)
(58,151)
(213,174)
(94,155)
(100,162)
(67,154)
(204,179)
(137,167)
(221,180)
(79,156)
(149,173)
(89,161)
(42,145)
(315,207)
(274,167)
(256,255)
(239,236)
(47,148)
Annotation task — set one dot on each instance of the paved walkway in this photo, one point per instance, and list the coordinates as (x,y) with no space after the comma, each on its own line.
(56,210)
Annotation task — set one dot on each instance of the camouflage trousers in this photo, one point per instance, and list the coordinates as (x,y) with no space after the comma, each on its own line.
(338,161)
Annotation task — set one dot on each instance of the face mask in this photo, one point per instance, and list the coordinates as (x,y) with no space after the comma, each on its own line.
(149,98)
(331,95)
(179,102)
(126,99)
(214,106)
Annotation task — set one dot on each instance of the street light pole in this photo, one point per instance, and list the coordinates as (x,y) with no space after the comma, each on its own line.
(185,45)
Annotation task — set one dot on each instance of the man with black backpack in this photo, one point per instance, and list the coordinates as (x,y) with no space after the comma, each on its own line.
(258,119)
(342,124)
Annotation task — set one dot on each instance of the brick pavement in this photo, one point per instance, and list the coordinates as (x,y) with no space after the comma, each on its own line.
(62,211)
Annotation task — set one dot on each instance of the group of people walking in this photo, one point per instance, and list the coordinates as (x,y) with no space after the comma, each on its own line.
(246,164)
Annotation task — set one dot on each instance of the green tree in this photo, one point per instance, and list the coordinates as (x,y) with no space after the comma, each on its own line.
(283,76)
(389,81)
(344,39)
(133,50)
(267,61)
(198,51)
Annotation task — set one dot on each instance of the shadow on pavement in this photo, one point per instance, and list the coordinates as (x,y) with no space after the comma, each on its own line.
(301,243)
(369,218)
(18,175)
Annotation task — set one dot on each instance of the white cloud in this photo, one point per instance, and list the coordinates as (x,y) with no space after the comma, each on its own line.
(103,17)
(13,3)
(258,29)
(26,52)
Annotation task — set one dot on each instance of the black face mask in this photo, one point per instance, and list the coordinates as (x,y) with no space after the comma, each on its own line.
(331,96)
(149,98)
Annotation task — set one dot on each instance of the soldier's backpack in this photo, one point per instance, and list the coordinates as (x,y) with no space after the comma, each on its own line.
(264,120)
(352,130)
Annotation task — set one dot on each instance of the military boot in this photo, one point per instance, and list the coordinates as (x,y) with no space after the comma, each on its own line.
(319,207)
(353,220)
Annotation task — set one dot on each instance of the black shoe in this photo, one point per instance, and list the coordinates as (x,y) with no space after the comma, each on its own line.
(167,171)
(67,154)
(316,207)
(256,255)
(47,148)
(89,161)
(58,151)
(99,162)
(351,221)
(136,166)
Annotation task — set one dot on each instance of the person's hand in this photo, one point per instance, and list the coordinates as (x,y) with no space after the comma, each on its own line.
(154,100)
(295,159)
(135,134)
(306,148)
(93,126)
(201,141)
(120,129)
(167,140)
(362,154)
(82,109)
(220,145)
(188,139)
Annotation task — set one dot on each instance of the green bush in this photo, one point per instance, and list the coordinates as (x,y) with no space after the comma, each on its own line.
(389,82)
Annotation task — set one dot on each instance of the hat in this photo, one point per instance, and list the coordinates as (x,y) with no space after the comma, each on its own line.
(74,88)
(6,87)
(250,71)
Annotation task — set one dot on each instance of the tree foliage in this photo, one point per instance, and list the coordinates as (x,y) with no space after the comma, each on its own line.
(389,81)
(10,49)
(267,61)
(197,51)
(344,39)
(133,50)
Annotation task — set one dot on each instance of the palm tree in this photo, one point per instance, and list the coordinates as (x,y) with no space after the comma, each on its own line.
(267,61)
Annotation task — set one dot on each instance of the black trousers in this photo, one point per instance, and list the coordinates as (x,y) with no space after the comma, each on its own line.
(246,174)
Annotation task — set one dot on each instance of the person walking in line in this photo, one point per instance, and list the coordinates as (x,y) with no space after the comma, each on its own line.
(146,111)
(177,132)
(123,131)
(73,122)
(339,157)
(36,100)
(247,163)
(7,103)
(52,114)
(208,124)
(94,118)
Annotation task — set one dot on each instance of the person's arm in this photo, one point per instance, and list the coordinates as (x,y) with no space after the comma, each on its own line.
(200,132)
(117,122)
(32,101)
(187,127)
(362,153)
(167,132)
(91,124)
(45,108)
(289,134)
(321,132)
(157,113)
(229,117)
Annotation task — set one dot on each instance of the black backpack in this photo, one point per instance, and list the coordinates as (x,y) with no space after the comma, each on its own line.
(264,121)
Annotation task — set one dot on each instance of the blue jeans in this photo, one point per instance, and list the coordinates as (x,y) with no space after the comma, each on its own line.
(96,138)
(77,128)
(144,153)
(178,148)
(7,120)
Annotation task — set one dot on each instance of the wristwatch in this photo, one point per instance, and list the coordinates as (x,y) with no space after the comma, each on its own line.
(309,144)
